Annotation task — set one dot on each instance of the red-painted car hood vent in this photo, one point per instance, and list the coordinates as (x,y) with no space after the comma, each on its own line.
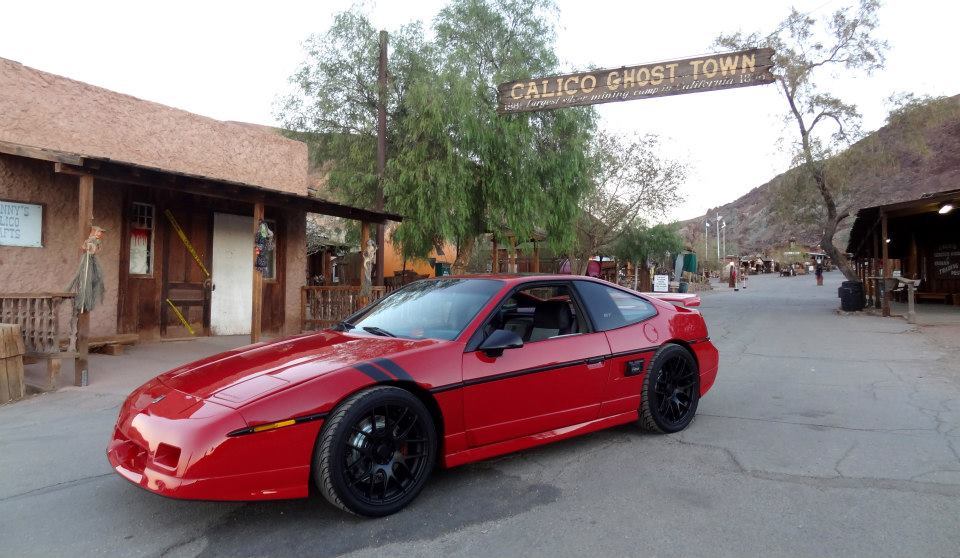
(242,375)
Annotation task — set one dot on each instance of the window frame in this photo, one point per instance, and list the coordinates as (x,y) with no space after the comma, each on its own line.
(152,254)
(656,311)
(477,337)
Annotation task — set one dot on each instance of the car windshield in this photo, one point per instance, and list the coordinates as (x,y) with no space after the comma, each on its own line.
(437,309)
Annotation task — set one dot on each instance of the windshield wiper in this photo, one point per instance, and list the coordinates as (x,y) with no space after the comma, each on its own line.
(378,331)
(344,325)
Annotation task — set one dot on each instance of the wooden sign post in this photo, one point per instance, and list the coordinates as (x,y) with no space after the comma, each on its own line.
(713,72)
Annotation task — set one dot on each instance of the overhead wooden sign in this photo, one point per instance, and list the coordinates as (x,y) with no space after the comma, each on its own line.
(692,75)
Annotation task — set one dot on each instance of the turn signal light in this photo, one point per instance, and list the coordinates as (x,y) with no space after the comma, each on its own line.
(274,425)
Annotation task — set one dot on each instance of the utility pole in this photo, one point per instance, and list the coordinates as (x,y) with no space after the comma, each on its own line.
(381,153)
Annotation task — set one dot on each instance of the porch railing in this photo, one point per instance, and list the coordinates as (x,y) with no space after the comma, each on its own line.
(322,307)
(48,326)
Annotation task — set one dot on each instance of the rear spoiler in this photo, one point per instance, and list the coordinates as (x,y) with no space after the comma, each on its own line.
(689,300)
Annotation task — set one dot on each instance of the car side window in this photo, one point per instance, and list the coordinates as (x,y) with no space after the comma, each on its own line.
(539,313)
(610,308)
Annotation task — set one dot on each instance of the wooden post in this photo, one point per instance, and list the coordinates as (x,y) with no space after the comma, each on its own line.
(81,366)
(887,272)
(256,315)
(876,270)
(512,256)
(536,257)
(327,267)
(381,154)
(495,267)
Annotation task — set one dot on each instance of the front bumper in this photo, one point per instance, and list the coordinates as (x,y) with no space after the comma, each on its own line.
(175,445)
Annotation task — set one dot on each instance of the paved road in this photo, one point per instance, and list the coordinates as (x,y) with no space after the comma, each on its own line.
(826,435)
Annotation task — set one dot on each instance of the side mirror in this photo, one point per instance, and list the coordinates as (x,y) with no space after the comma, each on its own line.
(500,340)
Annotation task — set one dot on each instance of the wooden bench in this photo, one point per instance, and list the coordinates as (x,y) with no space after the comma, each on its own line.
(112,344)
(44,336)
(936,297)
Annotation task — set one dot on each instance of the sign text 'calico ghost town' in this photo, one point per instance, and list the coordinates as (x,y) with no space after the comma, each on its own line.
(692,75)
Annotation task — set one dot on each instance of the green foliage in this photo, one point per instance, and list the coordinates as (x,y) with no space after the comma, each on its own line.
(640,243)
(456,169)
(629,180)
(806,50)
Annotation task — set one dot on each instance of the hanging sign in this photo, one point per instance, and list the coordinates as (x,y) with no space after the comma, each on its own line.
(712,72)
(21,224)
(946,261)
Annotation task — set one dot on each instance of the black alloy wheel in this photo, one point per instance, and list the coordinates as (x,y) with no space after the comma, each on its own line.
(375,452)
(671,390)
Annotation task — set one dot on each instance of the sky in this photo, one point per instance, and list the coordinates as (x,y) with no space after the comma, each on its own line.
(231,61)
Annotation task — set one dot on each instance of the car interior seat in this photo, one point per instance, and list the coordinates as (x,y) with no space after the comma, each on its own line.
(551,318)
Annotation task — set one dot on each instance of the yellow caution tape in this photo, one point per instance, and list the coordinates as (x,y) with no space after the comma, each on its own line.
(186,242)
(183,320)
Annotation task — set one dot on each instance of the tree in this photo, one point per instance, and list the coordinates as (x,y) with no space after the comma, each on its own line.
(640,244)
(456,169)
(333,105)
(464,170)
(805,49)
(629,181)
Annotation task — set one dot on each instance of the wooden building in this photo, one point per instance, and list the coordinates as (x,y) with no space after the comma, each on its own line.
(917,239)
(180,197)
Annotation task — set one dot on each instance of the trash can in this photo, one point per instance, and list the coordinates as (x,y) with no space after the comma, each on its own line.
(851,296)
(683,287)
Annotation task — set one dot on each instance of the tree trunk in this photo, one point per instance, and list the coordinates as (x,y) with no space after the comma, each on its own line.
(636,273)
(645,285)
(464,253)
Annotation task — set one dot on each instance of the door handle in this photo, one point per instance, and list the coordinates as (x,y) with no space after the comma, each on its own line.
(596,360)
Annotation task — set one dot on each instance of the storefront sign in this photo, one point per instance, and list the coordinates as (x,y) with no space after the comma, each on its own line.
(946,261)
(661,283)
(21,224)
(692,75)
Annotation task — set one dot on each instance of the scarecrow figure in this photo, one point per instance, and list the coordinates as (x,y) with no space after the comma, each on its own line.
(264,243)
(88,282)
(369,256)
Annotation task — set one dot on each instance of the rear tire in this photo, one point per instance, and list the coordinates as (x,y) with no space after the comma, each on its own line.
(671,391)
(375,452)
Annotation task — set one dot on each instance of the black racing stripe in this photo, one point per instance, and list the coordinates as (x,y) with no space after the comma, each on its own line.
(373,372)
(508,375)
(393,368)
(633,352)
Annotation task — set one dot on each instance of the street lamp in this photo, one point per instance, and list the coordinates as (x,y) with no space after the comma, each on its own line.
(723,228)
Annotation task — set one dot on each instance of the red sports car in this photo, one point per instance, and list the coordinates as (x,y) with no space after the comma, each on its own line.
(444,371)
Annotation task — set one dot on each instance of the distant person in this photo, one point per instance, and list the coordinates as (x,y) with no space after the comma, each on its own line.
(819,273)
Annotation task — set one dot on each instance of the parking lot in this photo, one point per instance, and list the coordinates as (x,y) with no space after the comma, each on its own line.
(825,435)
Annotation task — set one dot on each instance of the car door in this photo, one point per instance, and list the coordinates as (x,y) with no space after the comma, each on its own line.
(554,380)
(627,321)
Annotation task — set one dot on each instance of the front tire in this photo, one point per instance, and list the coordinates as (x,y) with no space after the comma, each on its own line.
(375,452)
(671,391)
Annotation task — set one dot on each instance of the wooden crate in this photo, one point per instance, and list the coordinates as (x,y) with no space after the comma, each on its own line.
(11,363)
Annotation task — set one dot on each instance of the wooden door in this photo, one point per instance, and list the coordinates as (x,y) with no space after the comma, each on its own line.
(185,300)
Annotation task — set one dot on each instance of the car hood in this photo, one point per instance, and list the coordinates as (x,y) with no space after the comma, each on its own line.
(242,375)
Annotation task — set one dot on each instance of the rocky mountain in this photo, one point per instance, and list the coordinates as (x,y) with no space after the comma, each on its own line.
(917,152)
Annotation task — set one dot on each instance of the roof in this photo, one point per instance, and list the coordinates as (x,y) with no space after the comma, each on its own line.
(130,173)
(868,218)
(47,111)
